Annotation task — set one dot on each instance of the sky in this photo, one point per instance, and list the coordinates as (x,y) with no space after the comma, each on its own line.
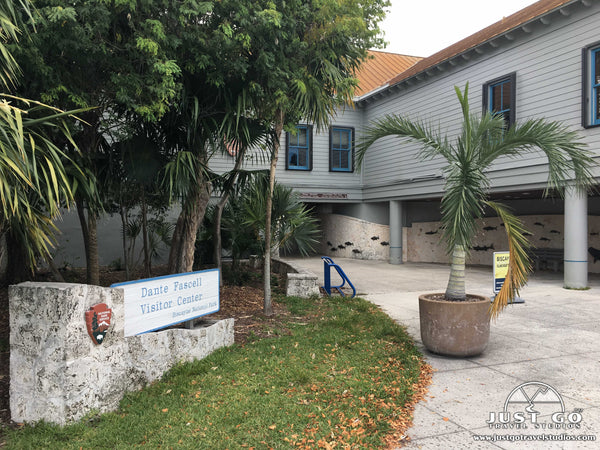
(423,27)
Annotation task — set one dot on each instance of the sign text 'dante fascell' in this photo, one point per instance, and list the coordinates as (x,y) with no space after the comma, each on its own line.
(169,289)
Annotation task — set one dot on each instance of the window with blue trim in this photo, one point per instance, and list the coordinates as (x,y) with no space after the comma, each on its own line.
(298,154)
(341,149)
(595,86)
(499,97)
(591,86)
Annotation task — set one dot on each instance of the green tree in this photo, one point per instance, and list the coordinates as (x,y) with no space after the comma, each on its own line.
(113,56)
(206,115)
(301,59)
(193,133)
(33,178)
(482,140)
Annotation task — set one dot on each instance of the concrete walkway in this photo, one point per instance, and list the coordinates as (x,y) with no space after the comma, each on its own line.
(553,338)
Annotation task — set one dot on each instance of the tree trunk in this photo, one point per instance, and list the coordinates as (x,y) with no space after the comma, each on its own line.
(147,265)
(123,211)
(217,235)
(456,284)
(90,140)
(268,306)
(181,256)
(18,267)
(93,264)
(90,242)
(219,213)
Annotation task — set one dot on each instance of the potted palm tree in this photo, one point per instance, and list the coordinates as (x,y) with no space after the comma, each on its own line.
(454,323)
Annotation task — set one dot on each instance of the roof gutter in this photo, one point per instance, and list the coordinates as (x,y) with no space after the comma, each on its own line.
(381,88)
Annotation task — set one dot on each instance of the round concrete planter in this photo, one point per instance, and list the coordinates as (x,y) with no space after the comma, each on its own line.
(454,328)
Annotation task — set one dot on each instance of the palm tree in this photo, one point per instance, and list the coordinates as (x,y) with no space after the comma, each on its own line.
(292,225)
(484,139)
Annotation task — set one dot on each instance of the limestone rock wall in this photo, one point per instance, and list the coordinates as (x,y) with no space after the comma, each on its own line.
(59,375)
(348,237)
(423,239)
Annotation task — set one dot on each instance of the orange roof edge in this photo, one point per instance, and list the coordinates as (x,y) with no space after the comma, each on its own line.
(379,68)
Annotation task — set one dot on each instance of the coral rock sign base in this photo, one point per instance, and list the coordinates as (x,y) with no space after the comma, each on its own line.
(58,374)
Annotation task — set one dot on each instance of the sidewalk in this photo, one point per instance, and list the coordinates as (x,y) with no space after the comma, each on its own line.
(553,338)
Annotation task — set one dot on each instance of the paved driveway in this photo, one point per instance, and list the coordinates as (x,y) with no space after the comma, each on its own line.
(551,341)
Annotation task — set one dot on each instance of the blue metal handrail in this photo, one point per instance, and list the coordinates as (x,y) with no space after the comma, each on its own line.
(328,264)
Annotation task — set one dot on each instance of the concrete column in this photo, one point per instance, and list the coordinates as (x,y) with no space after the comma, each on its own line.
(576,239)
(396,223)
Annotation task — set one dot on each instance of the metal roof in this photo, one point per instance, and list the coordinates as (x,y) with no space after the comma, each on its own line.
(379,68)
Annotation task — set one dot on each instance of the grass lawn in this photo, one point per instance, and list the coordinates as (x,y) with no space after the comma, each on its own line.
(338,374)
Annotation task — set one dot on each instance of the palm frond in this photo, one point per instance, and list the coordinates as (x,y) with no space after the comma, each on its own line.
(180,173)
(567,157)
(519,264)
(10,30)
(399,126)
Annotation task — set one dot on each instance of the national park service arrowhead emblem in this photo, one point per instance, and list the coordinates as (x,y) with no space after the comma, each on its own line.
(97,320)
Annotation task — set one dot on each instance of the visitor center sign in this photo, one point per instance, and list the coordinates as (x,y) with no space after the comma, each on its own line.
(155,303)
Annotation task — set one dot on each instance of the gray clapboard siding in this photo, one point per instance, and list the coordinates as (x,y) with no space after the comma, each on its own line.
(319,179)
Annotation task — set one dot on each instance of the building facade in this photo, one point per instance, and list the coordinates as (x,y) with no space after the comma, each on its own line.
(541,62)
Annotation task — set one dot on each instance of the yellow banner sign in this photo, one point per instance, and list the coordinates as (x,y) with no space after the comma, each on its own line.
(501,260)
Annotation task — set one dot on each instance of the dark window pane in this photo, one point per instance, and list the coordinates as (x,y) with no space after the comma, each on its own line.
(341,159)
(302,157)
(344,162)
(335,159)
(335,139)
(496,98)
(597,66)
(302,137)
(597,112)
(506,88)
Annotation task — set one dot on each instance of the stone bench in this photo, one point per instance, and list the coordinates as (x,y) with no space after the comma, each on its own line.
(300,282)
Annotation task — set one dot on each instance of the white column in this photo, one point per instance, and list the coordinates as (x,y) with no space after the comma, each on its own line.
(396,223)
(576,239)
